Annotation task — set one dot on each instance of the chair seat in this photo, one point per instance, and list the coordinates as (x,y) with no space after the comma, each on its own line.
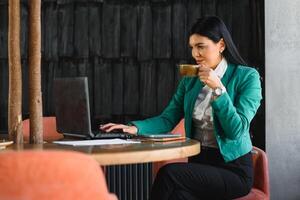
(255,194)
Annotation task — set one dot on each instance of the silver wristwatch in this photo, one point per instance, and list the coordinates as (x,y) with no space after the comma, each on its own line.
(218,91)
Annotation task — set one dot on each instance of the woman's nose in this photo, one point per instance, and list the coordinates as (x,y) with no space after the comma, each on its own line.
(195,53)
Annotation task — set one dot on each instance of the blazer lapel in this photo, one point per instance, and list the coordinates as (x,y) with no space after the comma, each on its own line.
(194,92)
(190,99)
(228,74)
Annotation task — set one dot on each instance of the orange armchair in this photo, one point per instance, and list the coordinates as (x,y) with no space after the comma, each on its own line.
(261,185)
(49,129)
(51,175)
(157,165)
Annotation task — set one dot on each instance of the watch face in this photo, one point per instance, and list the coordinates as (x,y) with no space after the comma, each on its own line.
(218,91)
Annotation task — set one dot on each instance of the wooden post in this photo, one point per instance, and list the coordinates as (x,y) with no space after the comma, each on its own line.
(34,61)
(15,74)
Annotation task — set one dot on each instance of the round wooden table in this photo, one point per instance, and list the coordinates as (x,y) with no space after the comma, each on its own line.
(125,153)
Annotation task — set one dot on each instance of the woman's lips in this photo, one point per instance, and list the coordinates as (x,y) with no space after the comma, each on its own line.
(199,62)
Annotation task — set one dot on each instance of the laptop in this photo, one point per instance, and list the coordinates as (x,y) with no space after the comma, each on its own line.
(72,110)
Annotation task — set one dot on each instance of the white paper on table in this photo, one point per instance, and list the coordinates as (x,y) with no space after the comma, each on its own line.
(95,142)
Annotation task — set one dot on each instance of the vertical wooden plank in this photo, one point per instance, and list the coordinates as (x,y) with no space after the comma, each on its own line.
(86,69)
(165,86)
(3,95)
(144,32)
(47,87)
(241,26)
(103,88)
(95,24)
(25,88)
(257,59)
(68,67)
(24,30)
(129,30)
(224,11)
(50,32)
(111,30)
(57,69)
(4,2)
(44,74)
(117,88)
(257,37)
(194,12)
(81,39)
(260,14)
(162,31)
(54,71)
(131,88)
(63,1)
(179,31)
(90,74)
(82,67)
(3,30)
(208,7)
(65,29)
(148,89)
(157,1)
(46,1)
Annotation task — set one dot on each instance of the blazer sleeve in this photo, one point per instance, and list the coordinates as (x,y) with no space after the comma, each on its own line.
(168,119)
(235,117)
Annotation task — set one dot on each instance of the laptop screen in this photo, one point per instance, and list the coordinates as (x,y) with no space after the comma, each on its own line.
(72,110)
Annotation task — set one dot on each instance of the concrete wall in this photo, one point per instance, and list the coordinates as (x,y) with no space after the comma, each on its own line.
(282,28)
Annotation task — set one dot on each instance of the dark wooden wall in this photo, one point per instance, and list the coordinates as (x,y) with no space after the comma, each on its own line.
(128,49)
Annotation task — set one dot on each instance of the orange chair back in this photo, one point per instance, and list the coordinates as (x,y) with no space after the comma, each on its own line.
(49,129)
(260,162)
(179,129)
(51,175)
(261,185)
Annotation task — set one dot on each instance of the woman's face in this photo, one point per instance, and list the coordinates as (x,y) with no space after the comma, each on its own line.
(205,51)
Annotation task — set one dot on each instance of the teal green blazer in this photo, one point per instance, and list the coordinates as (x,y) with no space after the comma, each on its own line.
(232,111)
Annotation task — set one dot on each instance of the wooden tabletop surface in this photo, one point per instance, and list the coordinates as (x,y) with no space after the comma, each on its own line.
(124,153)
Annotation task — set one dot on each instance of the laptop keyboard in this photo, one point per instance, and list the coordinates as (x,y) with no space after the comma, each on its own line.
(103,135)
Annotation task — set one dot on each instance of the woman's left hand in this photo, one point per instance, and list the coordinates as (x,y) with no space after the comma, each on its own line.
(209,77)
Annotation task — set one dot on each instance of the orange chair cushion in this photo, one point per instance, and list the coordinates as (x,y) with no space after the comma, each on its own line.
(51,175)
(254,194)
(49,129)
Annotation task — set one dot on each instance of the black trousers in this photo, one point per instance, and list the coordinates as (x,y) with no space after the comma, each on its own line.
(205,176)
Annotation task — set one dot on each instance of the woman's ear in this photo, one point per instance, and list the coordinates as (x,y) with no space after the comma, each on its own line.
(222,45)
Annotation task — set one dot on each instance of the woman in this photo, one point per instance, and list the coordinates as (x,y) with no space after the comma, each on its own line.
(218,107)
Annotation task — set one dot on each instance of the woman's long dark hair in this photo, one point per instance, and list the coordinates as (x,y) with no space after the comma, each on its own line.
(214,28)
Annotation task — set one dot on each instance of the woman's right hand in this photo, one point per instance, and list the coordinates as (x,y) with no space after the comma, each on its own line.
(125,128)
